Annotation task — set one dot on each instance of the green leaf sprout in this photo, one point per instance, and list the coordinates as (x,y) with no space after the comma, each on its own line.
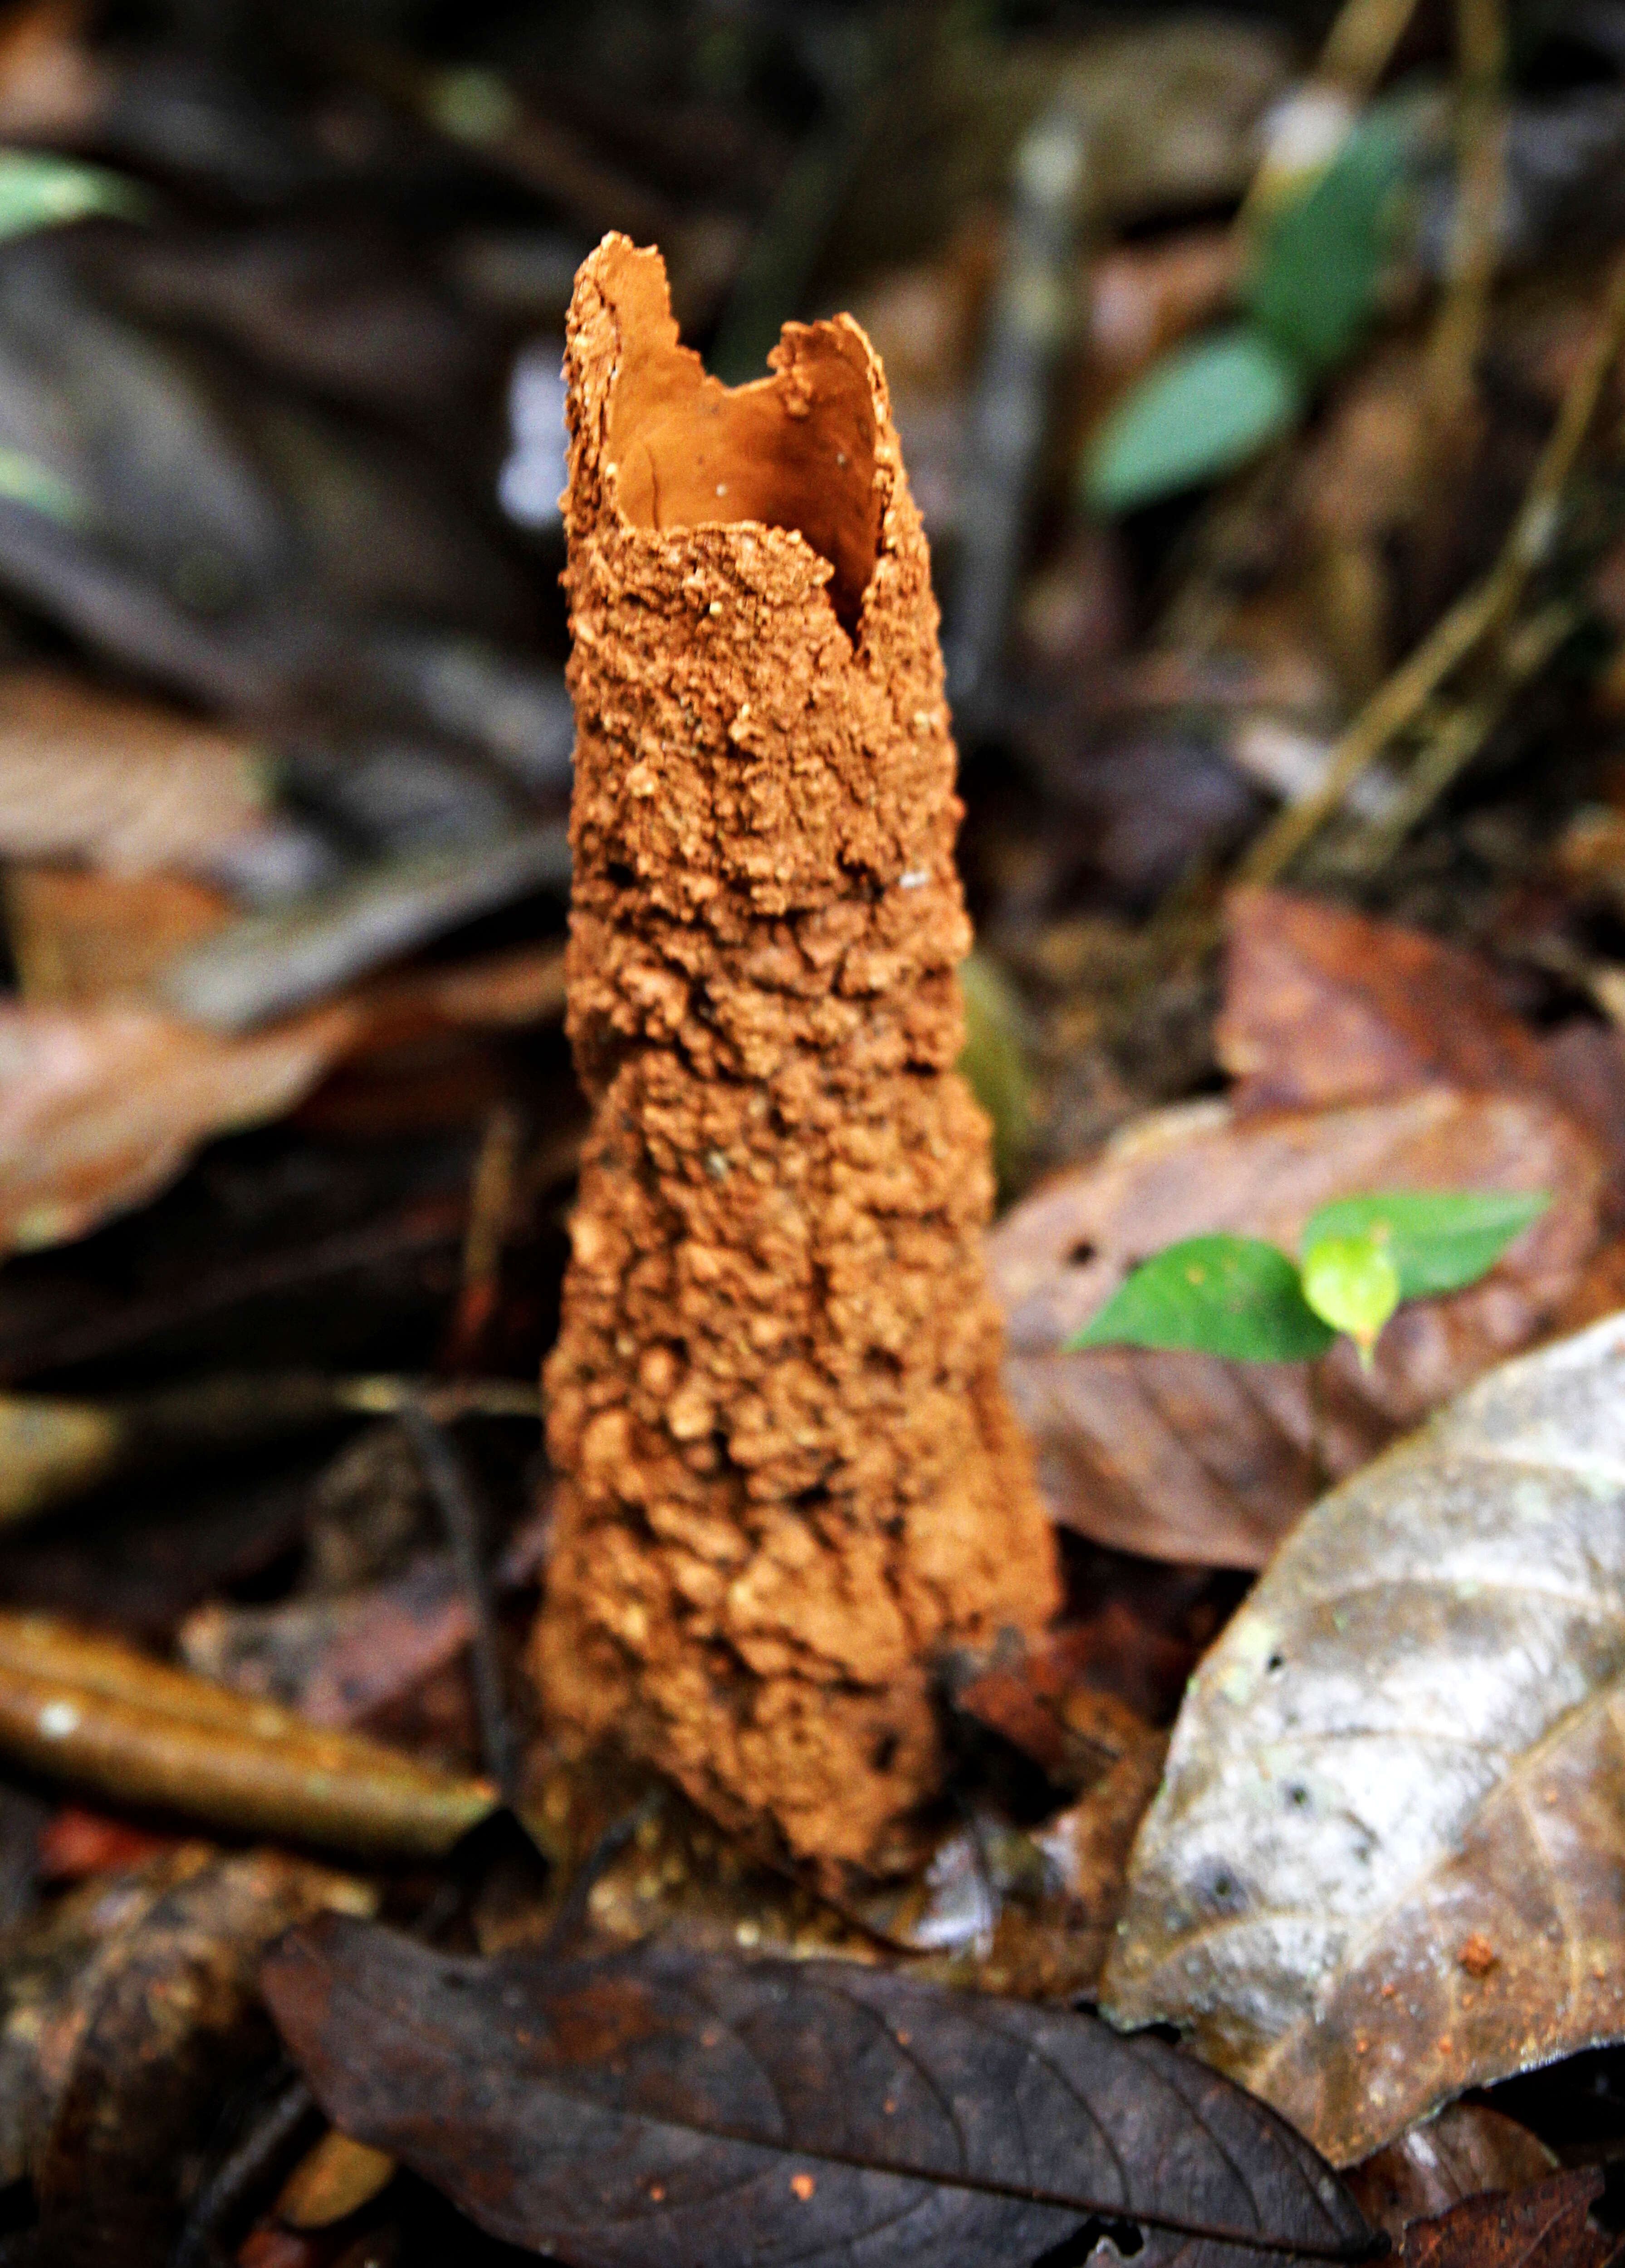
(1362,1258)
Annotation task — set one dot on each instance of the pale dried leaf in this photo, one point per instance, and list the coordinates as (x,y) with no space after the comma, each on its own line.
(99,1107)
(129,785)
(1387,1862)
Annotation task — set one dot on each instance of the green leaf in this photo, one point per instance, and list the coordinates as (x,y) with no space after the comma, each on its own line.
(38,189)
(1203,411)
(1352,1283)
(1439,1239)
(1225,1295)
(1314,287)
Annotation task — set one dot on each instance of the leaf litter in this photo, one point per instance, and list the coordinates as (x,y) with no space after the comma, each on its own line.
(282,702)
(655,2103)
(1384,1864)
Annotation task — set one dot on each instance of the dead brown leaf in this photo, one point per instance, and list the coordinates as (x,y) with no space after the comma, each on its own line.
(1186,1457)
(1324,1006)
(336,1660)
(1468,2151)
(125,785)
(102,1104)
(1548,2226)
(128,2010)
(81,1707)
(1062,1947)
(88,936)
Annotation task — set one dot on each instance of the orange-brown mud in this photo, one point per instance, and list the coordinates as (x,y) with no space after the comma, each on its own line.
(791,1476)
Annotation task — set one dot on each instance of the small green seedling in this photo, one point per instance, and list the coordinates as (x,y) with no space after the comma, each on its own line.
(1362,1258)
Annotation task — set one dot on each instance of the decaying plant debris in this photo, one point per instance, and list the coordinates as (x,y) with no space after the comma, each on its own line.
(792,1479)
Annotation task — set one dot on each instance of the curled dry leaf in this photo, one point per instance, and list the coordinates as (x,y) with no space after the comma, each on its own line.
(100,1105)
(1387,1861)
(332,2181)
(54,1448)
(129,2010)
(657,2105)
(1185,1456)
(91,1710)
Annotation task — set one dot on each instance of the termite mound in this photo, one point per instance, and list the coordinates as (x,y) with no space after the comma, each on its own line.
(790,1478)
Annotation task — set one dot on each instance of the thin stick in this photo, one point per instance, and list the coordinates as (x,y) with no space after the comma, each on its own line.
(1461,735)
(448,1484)
(1358,49)
(1473,618)
(490,1214)
(444,1399)
(1359,45)
(1449,380)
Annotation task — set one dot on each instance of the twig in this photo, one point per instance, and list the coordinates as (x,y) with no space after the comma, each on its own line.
(571,1919)
(1011,410)
(1481,136)
(1460,736)
(444,1399)
(1479,613)
(448,1484)
(248,2167)
(1358,50)
(1359,45)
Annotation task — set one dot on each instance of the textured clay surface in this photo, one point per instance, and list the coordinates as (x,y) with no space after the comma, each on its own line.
(791,1478)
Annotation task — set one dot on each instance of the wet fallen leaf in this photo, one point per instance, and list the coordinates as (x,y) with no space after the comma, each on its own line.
(1468,2151)
(602,2111)
(85,1708)
(1546,2227)
(1322,1005)
(129,785)
(128,2010)
(1386,1861)
(1185,1456)
(102,1104)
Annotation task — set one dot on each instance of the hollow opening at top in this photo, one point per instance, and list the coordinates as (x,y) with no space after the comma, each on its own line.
(796,449)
